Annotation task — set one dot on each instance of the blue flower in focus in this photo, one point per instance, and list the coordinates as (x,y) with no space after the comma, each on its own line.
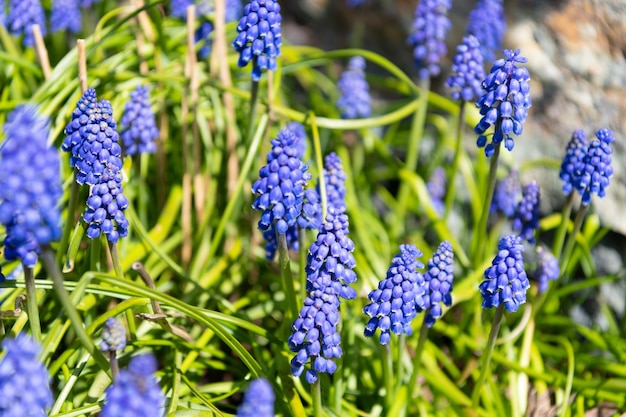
(595,170)
(30,186)
(393,304)
(259,36)
(23,14)
(24,386)
(437,283)
(430,26)
(505,280)
(505,103)
(468,71)
(574,154)
(547,268)
(488,24)
(75,131)
(335,180)
(178,8)
(281,184)
(354,97)
(203,37)
(258,401)
(65,15)
(140,130)
(526,216)
(113,336)
(135,393)
(506,194)
(436,187)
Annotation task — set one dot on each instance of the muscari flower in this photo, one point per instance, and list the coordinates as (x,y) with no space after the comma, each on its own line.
(547,268)
(23,14)
(468,71)
(329,269)
(335,179)
(430,26)
(65,15)
(436,187)
(354,97)
(140,130)
(505,103)
(258,400)
(87,3)
(30,186)
(595,170)
(298,130)
(24,387)
(506,193)
(526,216)
(574,153)
(393,305)
(259,36)
(135,393)
(75,129)
(202,37)
(233,10)
(487,23)
(113,336)
(437,283)
(178,8)
(3,15)
(505,280)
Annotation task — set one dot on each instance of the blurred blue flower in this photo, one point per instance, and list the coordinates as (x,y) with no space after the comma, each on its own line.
(234,10)
(526,216)
(140,130)
(430,26)
(436,187)
(488,24)
(203,37)
(178,8)
(258,400)
(87,3)
(595,170)
(23,14)
(65,15)
(113,336)
(437,284)
(506,194)
(468,71)
(30,186)
(547,268)
(24,385)
(259,36)
(505,103)
(505,280)
(354,97)
(135,393)
(574,154)
(298,130)
(355,3)
(393,304)
(335,180)
(3,14)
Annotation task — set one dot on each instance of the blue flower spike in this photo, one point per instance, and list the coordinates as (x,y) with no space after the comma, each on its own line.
(488,24)
(468,71)
(258,400)
(505,103)
(436,187)
(113,336)
(506,193)
(395,302)
(574,154)
(139,126)
(527,212)
(65,15)
(354,97)
(506,280)
(335,181)
(547,268)
(595,170)
(438,283)
(430,26)
(23,14)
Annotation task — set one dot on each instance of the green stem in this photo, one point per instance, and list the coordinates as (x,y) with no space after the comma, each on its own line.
(455,162)
(487,353)
(69,224)
(115,367)
(254,102)
(421,342)
(31,303)
(559,238)
(388,375)
(117,262)
(571,239)
(49,262)
(316,396)
(285,272)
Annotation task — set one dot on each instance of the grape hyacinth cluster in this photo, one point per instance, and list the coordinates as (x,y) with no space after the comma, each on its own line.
(595,170)
(547,268)
(488,24)
(140,130)
(468,71)
(335,180)
(506,193)
(505,103)
(106,205)
(259,36)
(436,187)
(30,186)
(24,386)
(354,97)
(203,38)
(178,8)
(65,15)
(3,15)
(329,269)
(430,26)
(396,301)
(506,280)
(526,216)
(574,154)
(258,400)
(438,283)
(23,14)
(113,336)
(135,392)
(87,3)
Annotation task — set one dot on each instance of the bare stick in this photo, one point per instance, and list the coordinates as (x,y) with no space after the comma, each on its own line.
(143,65)
(82,64)
(42,52)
